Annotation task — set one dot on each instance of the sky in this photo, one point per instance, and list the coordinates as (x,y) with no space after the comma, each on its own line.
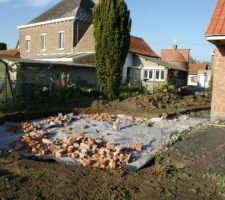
(158,22)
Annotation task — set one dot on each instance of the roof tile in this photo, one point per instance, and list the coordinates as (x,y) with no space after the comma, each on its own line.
(139,46)
(194,68)
(10,54)
(217,24)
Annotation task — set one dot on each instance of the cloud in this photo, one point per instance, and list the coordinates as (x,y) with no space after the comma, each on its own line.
(36,3)
(4,1)
(30,3)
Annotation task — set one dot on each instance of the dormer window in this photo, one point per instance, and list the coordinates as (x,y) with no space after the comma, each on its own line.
(61,39)
(43,41)
(28,42)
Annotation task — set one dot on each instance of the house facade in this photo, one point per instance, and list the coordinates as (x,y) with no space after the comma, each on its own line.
(199,75)
(143,67)
(61,41)
(216,35)
(57,31)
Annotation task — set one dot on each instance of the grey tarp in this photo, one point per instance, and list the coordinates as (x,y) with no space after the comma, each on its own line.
(150,137)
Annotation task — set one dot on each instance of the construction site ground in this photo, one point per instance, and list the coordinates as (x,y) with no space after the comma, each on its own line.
(193,168)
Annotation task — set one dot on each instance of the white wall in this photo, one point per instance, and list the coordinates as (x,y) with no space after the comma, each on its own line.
(128,63)
(190,82)
(204,78)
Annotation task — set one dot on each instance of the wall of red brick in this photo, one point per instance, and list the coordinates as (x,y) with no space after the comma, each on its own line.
(52,38)
(218,94)
(87,42)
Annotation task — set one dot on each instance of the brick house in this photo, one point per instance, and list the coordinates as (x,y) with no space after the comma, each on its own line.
(62,38)
(56,31)
(216,35)
(142,66)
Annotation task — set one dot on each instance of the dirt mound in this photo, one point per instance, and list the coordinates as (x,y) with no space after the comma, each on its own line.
(153,104)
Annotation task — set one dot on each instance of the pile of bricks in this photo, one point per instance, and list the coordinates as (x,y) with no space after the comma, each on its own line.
(100,117)
(87,150)
(59,120)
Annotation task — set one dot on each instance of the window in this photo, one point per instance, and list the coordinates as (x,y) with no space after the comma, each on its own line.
(153,75)
(162,75)
(194,79)
(150,76)
(159,75)
(43,41)
(61,39)
(28,42)
(157,72)
(145,74)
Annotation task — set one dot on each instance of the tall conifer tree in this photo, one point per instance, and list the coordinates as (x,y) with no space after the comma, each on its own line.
(112,24)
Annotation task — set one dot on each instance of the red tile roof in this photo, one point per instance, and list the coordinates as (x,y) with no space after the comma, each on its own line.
(175,55)
(13,54)
(139,46)
(194,68)
(217,24)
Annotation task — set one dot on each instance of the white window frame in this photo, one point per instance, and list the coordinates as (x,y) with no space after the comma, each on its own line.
(61,43)
(145,77)
(153,78)
(160,75)
(28,43)
(43,41)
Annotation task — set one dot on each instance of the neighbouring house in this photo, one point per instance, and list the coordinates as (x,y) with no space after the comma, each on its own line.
(199,75)
(216,35)
(57,31)
(61,40)
(143,67)
(47,43)
(11,57)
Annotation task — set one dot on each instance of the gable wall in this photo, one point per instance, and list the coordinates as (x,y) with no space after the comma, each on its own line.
(52,39)
(218,94)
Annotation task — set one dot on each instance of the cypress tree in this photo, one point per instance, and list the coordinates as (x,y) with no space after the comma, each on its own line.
(112,24)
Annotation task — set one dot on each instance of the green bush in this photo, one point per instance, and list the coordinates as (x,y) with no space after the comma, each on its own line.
(166,88)
(127,91)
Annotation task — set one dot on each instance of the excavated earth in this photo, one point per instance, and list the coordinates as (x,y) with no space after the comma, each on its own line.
(150,105)
(193,168)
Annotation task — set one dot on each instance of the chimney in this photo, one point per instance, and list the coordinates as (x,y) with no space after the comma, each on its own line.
(175,45)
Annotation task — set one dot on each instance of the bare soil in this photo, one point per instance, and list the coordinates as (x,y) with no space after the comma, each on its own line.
(151,105)
(148,106)
(193,168)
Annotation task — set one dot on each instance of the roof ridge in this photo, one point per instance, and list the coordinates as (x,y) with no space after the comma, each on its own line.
(136,37)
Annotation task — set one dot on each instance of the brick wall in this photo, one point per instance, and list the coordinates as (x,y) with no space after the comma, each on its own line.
(218,95)
(87,42)
(52,39)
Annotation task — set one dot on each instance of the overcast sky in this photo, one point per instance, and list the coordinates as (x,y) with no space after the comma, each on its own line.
(159,22)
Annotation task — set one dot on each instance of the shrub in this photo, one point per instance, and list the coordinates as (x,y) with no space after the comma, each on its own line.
(166,88)
(127,91)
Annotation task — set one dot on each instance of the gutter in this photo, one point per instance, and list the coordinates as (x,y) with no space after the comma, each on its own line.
(47,22)
(215,37)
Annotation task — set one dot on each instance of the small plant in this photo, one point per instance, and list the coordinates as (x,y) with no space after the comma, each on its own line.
(166,88)
(127,91)
(221,180)
(158,160)
(119,195)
